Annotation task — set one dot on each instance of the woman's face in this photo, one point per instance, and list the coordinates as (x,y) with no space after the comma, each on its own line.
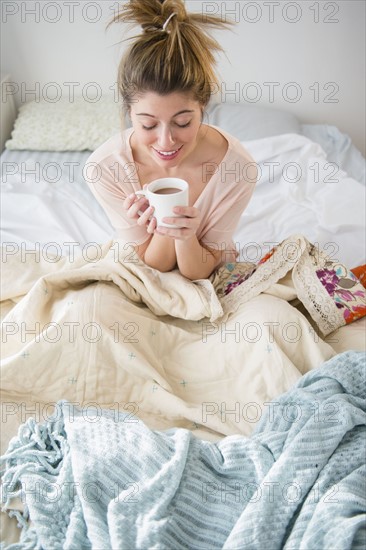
(166,127)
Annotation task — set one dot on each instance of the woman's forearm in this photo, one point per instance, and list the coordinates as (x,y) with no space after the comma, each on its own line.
(160,253)
(176,244)
(195,261)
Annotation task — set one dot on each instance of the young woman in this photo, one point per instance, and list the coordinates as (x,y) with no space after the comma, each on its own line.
(166,79)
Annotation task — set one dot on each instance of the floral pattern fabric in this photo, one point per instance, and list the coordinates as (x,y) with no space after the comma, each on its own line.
(342,285)
(333,294)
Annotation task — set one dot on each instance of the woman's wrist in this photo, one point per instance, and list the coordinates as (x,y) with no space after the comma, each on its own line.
(161,254)
(194,261)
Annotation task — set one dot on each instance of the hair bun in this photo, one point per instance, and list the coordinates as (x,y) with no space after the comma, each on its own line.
(152,15)
(175,51)
(176,7)
(164,26)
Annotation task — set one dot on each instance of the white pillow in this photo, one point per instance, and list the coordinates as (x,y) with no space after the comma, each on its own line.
(65,126)
(248,122)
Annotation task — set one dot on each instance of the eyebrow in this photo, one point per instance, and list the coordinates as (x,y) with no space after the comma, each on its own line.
(176,114)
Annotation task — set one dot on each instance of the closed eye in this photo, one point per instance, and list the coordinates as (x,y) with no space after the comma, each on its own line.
(179,126)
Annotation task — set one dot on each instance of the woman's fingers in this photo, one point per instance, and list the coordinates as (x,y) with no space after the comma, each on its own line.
(182,228)
(145,216)
(181,222)
(185,223)
(185,216)
(135,204)
(178,233)
(152,226)
(186,211)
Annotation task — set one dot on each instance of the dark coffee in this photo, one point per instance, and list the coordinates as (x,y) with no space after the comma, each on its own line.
(167,191)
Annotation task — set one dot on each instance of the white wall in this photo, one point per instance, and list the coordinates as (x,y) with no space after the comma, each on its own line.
(305,57)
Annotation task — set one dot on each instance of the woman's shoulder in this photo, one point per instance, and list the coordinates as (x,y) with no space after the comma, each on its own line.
(237,165)
(235,149)
(117,148)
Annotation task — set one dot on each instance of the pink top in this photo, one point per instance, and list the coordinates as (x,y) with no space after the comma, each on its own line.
(111,174)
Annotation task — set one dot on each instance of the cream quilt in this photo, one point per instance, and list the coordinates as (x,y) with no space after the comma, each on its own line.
(110,332)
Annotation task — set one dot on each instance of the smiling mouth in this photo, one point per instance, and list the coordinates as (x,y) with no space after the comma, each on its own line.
(167,154)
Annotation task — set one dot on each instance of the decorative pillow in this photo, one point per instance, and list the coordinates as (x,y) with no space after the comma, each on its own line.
(345,289)
(330,292)
(65,126)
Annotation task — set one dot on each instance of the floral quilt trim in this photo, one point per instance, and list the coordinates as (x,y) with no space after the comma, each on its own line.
(230,276)
(342,285)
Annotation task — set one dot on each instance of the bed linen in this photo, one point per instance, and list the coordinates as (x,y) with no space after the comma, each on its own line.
(41,189)
(139,336)
(106,481)
(44,199)
(338,148)
(118,332)
(299,191)
(75,222)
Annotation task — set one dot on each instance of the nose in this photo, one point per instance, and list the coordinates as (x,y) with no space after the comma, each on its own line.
(165,138)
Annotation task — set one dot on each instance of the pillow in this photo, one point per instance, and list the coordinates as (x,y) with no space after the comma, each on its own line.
(249,122)
(65,126)
(82,125)
(332,294)
(360,273)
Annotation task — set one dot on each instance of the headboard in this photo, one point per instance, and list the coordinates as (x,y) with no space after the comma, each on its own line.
(8,110)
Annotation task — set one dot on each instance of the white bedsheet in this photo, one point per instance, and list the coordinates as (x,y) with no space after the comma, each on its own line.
(339,148)
(45,200)
(300,189)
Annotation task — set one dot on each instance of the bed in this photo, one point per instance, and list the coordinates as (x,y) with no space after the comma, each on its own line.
(187,410)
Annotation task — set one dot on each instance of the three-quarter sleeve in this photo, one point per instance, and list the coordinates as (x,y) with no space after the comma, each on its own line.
(111,177)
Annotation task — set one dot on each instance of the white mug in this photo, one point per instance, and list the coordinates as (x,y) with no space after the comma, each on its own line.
(164,194)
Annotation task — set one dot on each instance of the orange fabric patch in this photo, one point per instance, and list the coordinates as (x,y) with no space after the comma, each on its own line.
(360,273)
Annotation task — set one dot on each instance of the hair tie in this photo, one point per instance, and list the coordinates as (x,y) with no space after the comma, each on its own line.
(167,22)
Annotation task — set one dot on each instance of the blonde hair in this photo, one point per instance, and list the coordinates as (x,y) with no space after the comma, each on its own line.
(173,53)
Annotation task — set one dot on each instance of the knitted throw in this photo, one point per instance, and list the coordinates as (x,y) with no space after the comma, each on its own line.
(91,479)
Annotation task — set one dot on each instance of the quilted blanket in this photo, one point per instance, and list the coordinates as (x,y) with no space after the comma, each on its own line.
(96,479)
(204,355)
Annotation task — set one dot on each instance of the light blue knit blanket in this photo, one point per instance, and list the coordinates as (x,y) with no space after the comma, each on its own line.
(94,480)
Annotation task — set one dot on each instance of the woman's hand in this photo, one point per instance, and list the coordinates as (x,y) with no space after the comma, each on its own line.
(187,223)
(138,208)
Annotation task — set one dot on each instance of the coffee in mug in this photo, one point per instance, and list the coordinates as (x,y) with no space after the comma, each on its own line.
(167,191)
(164,194)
